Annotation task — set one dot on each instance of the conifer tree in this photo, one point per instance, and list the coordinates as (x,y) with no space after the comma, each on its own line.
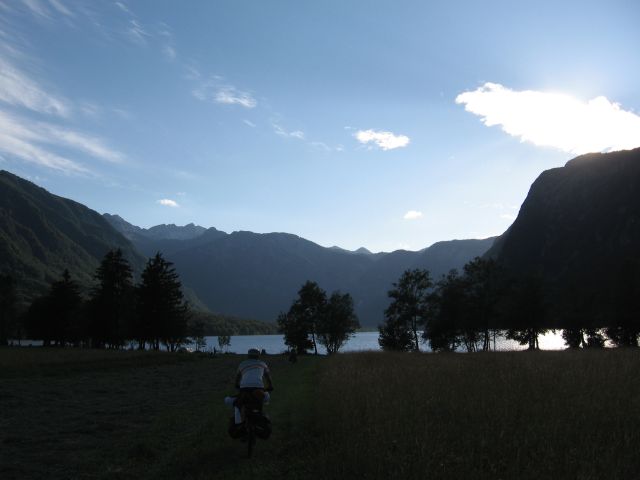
(112,302)
(162,311)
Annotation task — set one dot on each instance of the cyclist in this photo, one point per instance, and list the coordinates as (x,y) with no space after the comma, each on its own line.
(252,379)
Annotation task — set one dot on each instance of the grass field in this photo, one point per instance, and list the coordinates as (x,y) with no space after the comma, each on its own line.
(101,414)
(573,415)
(104,414)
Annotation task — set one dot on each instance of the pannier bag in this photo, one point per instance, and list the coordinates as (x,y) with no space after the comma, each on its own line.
(262,425)
(236,430)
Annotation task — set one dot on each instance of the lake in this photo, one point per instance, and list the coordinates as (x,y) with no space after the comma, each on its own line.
(274,344)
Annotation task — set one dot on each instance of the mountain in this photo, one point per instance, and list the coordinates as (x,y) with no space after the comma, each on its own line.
(255,275)
(41,234)
(241,274)
(579,225)
(164,238)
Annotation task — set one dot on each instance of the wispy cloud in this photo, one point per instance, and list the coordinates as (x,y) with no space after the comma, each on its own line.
(250,123)
(60,7)
(383,139)
(231,96)
(555,120)
(508,216)
(39,142)
(169,52)
(18,140)
(412,215)
(137,33)
(212,90)
(37,8)
(299,134)
(18,89)
(168,203)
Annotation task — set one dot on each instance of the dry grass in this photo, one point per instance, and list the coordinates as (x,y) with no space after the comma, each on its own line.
(501,415)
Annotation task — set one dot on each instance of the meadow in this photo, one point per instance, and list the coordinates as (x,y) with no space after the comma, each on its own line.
(112,414)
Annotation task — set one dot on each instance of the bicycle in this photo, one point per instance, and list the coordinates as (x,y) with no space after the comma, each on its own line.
(255,424)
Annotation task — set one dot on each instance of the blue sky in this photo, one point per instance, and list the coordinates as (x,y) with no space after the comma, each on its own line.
(363,123)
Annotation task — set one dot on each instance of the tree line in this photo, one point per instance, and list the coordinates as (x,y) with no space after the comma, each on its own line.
(116,313)
(472,309)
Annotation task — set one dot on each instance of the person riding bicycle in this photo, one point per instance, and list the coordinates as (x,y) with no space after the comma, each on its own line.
(251,378)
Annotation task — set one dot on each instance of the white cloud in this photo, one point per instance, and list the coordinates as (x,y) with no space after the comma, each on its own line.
(16,88)
(250,123)
(555,120)
(508,216)
(412,215)
(384,140)
(168,203)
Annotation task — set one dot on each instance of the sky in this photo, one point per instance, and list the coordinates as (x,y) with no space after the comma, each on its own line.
(374,124)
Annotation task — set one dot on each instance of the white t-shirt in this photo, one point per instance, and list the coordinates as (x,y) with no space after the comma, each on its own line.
(252,371)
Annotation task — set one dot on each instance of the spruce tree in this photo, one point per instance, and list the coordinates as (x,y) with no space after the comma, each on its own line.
(112,303)
(162,310)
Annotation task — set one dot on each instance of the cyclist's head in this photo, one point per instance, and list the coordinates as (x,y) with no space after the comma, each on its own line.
(253,353)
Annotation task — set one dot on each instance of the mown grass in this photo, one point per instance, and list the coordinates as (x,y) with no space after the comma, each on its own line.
(500,415)
(100,414)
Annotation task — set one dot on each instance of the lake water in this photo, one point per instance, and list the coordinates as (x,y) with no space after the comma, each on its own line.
(361,341)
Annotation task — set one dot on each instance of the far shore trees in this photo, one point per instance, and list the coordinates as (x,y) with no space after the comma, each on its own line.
(407,312)
(312,319)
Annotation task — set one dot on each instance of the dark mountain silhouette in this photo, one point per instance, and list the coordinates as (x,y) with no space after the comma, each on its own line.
(579,225)
(42,234)
(242,274)
(257,275)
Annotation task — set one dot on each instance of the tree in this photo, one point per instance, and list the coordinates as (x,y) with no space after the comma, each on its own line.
(112,301)
(162,310)
(337,322)
(484,280)
(296,334)
(527,311)
(303,318)
(448,325)
(224,341)
(624,330)
(196,333)
(407,311)
(64,302)
(7,307)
